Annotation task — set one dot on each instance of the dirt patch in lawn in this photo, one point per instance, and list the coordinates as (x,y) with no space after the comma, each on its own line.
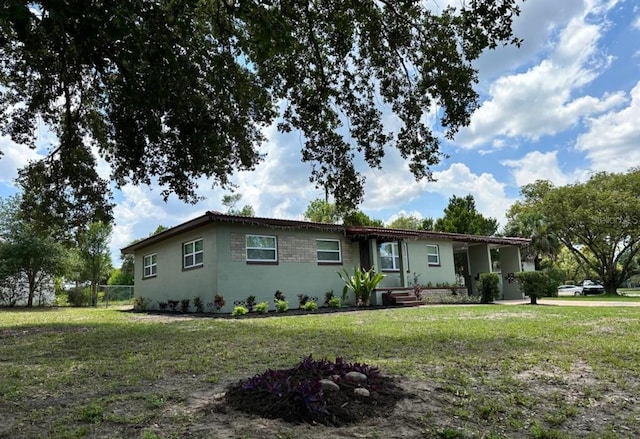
(429,409)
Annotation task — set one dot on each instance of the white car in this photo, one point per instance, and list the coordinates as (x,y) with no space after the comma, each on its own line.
(569,290)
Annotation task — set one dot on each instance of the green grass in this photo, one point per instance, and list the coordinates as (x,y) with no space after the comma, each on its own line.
(491,371)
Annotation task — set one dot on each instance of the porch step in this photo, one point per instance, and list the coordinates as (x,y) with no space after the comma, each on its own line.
(406,298)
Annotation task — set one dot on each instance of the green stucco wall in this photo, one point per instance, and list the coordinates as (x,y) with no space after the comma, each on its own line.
(171,281)
(297,271)
(413,260)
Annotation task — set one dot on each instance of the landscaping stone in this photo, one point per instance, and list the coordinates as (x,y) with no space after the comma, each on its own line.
(329,385)
(356,377)
(361,391)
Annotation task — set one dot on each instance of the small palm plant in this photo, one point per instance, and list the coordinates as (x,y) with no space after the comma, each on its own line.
(362,282)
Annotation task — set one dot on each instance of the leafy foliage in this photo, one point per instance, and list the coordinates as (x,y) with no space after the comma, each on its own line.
(218,301)
(596,220)
(461,216)
(230,201)
(95,255)
(334,302)
(537,284)
(27,255)
(250,302)
(198,304)
(140,303)
(298,391)
(407,222)
(78,296)
(302,299)
(174,91)
(321,211)
(525,219)
(262,307)
(239,311)
(282,305)
(310,305)
(489,287)
(362,282)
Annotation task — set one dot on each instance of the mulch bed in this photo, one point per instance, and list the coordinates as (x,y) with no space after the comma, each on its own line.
(343,407)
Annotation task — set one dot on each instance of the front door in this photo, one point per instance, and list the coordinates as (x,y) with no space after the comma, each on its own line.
(365,255)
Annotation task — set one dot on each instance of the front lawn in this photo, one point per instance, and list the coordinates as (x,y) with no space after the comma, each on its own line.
(470,371)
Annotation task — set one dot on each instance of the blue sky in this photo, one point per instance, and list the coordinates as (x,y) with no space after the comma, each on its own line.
(564,105)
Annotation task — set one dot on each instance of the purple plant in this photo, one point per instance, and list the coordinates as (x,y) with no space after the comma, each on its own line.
(301,384)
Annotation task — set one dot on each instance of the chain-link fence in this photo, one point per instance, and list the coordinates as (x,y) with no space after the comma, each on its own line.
(115,294)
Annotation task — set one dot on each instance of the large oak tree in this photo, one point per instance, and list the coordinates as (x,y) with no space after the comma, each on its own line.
(171,91)
(598,221)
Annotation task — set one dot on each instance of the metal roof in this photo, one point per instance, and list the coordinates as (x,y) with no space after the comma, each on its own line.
(349,231)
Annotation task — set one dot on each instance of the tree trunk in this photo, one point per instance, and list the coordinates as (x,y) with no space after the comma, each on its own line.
(534,299)
(32,289)
(610,286)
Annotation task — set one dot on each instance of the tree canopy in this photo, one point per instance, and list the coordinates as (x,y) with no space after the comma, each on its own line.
(596,220)
(461,216)
(170,92)
(407,222)
(230,201)
(28,258)
(94,254)
(321,211)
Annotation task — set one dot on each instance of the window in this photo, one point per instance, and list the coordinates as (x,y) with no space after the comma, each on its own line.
(389,256)
(328,250)
(150,265)
(433,255)
(261,248)
(192,254)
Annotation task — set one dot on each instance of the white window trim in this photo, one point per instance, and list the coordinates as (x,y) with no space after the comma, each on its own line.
(339,251)
(275,247)
(436,254)
(395,255)
(194,253)
(153,267)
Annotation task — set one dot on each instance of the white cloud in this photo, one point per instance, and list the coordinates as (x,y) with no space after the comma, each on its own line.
(613,139)
(542,101)
(404,213)
(489,193)
(537,165)
(14,157)
(397,188)
(136,215)
(535,25)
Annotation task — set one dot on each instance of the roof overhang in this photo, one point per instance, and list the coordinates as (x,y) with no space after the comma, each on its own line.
(359,233)
(217,217)
(355,233)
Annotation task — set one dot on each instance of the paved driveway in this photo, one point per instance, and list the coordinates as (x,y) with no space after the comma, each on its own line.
(569,302)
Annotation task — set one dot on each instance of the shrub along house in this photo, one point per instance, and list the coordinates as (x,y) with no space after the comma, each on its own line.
(236,257)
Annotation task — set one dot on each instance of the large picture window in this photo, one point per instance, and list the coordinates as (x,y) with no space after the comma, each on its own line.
(433,255)
(328,251)
(192,254)
(261,248)
(150,265)
(389,256)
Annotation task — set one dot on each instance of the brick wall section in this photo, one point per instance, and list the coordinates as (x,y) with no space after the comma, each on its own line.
(295,249)
(238,243)
(291,249)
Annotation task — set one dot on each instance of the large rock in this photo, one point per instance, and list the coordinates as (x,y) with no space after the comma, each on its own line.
(356,377)
(329,386)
